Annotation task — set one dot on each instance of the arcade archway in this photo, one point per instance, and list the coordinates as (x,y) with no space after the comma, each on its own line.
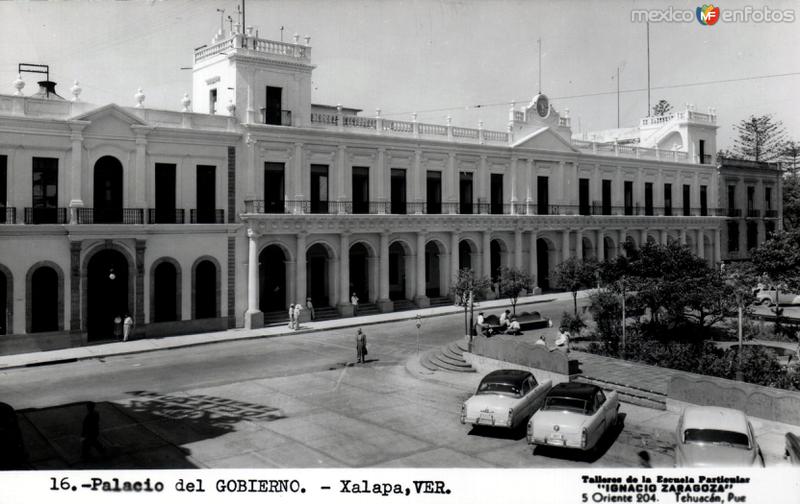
(107,291)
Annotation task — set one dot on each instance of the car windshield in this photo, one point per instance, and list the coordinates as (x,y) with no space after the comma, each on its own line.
(492,387)
(717,437)
(566,404)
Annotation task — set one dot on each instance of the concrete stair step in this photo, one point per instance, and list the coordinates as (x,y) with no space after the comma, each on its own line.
(368,309)
(425,360)
(455,349)
(326,313)
(404,305)
(630,394)
(466,368)
(441,301)
(455,361)
(450,353)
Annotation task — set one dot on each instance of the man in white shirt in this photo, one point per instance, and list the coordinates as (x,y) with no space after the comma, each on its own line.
(504,319)
(562,343)
(514,327)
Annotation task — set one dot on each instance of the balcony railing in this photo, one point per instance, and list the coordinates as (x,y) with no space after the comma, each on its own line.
(753,213)
(169,216)
(207,216)
(46,216)
(8,215)
(770,214)
(276,117)
(733,212)
(111,216)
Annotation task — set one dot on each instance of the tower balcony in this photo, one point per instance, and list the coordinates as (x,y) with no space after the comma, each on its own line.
(248,45)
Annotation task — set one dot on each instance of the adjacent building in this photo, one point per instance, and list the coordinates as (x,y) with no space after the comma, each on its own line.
(252,197)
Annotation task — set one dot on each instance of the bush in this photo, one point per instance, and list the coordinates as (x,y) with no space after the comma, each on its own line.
(606,310)
(571,323)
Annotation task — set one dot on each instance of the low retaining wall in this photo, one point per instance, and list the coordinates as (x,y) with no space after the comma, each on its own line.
(508,352)
(755,400)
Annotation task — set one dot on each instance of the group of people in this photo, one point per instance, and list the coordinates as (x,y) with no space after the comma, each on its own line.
(508,324)
(123,327)
(561,343)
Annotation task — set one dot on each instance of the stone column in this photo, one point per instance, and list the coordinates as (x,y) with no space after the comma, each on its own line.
(486,251)
(743,234)
(421,298)
(529,188)
(664,237)
(253,318)
(701,246)
(683,236)
(141,246)
(380,181)
(564,245)
(622,236)
(418,181)
(717,246)
(384,303)
(251,191)
(300,275)
(139,197)
(518,249)
(291,284)
(454,258)
(579,244)
(344,307)
(513,186)
(451,184)
(76,168)
(644,238)
(483,182)
(601,249)
(341,190)
(74,287)
(533,261)
(298,187)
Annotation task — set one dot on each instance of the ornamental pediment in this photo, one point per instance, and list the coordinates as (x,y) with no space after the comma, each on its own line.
(544,139)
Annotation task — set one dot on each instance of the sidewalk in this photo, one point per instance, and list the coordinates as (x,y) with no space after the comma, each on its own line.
(172,342)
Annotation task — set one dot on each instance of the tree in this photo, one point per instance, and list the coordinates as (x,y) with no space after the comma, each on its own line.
(791,202)
(469,287)
(790,157)
(761,138)
(662,108)
(573,274)
(514,282)
(778,260)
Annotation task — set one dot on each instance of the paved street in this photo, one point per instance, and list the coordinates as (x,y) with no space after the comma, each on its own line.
(292,401)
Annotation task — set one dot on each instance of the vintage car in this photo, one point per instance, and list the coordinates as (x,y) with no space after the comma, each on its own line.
(505,398)
(710,436)
(574,415)
(771,296)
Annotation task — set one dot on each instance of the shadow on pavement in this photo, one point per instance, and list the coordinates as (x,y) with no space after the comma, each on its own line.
(515,434)
(147,431)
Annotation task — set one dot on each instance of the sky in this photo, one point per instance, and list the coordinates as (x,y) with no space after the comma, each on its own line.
(464,58)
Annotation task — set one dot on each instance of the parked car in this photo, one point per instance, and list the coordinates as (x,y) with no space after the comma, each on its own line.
(505,398)
(12,446)
(711,436)
(574,415)
(771,296)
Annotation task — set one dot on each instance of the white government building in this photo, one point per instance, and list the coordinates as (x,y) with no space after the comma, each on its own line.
(252,197)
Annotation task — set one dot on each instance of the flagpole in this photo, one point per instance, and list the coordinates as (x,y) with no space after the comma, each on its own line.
(648,69)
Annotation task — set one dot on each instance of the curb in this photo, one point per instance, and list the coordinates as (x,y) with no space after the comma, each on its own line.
(68,360)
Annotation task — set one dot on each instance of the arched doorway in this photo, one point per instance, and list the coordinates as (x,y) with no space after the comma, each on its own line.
(272,280)
(609,251)
(465,252)
(397,272)
(359,271)
(588,248)
(106,293)
(543,250)
(108,190)
(433,269)
(319,275)
(166,306)
(496,251)
(205,290)
(44,300)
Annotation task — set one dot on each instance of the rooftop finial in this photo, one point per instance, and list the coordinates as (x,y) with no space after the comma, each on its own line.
(139,97)
(18,85)
(76,91)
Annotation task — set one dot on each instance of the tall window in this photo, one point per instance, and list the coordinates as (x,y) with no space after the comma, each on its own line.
(434,192)
(542,196)
(272,114)
(667,199)
(606,197)
(752,235)
(360,189)
(319,188)
(398,191)
(687,200)
(628,197)
(731,200)
(206,193)
(45,190)
(165,193)
(702,151)
(496,193)
(648,198)
(703,200)
(3,195)
(751,191)
(274,188)
(767,198)
(212,101)
(733,236)
(583,197)
(465,192)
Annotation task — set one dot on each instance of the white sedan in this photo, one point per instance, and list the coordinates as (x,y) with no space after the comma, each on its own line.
(574,415)
(505,398)
(708,436)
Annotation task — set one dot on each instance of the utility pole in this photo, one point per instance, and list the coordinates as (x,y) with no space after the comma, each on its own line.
(617,97)
(244,23)
(648,69)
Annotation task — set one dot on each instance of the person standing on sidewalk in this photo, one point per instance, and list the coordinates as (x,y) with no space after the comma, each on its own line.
(291,316)
(354,302)
(127,327)
(90,434)
(297,308)
(117,328)
(361,346)
(310,308)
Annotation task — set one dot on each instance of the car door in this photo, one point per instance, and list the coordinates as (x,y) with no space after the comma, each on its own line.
(599,420)
(530,397)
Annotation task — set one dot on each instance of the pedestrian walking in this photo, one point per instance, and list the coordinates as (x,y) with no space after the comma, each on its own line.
(291,316)
(297,308)
(127,327)
(354,302)
(361,346)
(310,308)
(117,327)
(90,434)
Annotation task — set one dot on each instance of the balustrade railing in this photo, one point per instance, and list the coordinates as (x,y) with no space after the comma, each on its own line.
(770,214)
(46,216)
(207,216)
(8,215)
(733,212)
(753,213)
(165,216)
(110,216)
